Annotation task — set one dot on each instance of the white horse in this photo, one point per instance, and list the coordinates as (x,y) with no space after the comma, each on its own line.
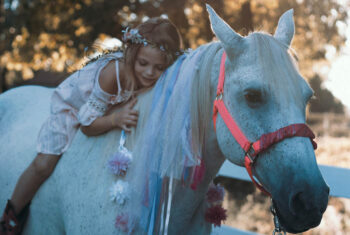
(263,92)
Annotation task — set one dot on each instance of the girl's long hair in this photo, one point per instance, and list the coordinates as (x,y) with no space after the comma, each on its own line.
(158,31)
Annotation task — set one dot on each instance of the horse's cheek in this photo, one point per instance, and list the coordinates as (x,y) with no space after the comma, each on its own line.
(227,144)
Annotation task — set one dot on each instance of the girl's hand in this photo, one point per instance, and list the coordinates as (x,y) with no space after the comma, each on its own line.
(124,116)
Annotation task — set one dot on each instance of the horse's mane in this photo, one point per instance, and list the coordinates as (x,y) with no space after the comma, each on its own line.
(201,93)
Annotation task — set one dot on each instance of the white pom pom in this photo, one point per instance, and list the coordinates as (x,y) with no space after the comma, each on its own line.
(119,192)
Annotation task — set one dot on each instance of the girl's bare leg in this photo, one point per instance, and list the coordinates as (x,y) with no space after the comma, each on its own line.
(31,179)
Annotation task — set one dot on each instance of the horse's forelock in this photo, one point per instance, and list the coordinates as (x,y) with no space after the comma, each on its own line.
(279,68)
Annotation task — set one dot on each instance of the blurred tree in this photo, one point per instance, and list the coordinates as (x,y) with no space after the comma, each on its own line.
(317,23)
(41,35)
(324,100)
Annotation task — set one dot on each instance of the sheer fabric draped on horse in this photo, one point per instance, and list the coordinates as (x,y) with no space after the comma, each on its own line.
(163,156)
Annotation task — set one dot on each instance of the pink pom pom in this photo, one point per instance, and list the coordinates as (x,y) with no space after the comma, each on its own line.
(215,193)
(119,163)
(121,222)
(215,215)
(125,223)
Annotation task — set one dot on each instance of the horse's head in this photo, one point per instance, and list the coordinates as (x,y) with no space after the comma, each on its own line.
(264,92)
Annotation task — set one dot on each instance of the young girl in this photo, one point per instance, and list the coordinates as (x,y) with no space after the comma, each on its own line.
(87,99)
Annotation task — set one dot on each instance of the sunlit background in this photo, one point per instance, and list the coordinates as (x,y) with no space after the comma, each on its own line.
(42,42)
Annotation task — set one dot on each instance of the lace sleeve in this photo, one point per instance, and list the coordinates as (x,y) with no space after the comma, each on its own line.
(99,100)
(96,106)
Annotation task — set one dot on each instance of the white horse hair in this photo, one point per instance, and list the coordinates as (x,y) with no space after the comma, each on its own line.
(75,199)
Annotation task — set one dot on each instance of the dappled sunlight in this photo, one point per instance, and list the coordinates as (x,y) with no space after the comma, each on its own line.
(339,80)
(72,25)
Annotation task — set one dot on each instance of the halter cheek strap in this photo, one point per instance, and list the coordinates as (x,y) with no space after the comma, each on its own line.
(252,149)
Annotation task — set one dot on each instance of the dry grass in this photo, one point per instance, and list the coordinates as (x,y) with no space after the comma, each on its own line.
(253,215)
(249,209)
(333,151)
(329,124)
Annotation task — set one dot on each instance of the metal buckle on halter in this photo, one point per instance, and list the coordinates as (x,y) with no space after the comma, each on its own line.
(250,151)
(219,96)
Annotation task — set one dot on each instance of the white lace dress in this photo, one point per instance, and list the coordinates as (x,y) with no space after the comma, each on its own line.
(78,100)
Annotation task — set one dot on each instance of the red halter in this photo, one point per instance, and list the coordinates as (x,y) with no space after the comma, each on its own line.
(252,149)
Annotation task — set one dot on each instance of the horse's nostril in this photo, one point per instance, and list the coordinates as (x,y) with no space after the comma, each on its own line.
(302,203)
(297,204)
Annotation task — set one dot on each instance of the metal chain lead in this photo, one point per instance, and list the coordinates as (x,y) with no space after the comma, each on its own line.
(278,228)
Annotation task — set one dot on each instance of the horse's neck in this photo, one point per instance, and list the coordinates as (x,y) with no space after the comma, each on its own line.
(189,205)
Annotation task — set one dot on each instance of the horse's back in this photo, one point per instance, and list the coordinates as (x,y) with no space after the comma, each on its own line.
(22,111)
(83,180)
(67,193)
(20,105)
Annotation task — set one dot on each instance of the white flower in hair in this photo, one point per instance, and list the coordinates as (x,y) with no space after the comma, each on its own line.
(133,36)
(134,32)
(119,192)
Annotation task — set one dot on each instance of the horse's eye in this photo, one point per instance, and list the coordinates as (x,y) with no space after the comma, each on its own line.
(253,97)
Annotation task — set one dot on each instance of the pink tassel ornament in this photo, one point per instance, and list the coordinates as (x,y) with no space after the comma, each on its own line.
(215,194)
(119,163)
(121,222)
(215,215)
(124,223)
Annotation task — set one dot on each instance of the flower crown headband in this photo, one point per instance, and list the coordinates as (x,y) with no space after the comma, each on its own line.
(133,36)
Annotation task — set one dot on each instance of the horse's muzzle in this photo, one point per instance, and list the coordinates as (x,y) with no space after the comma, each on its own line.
(303,211)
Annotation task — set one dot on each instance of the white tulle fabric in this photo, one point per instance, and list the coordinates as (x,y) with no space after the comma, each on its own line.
(175,126)
(78,100)
(166,148)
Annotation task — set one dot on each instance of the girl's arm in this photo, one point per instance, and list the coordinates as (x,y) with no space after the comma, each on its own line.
(99,126)
(121,116)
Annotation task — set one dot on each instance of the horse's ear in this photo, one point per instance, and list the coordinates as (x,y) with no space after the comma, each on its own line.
(232,41)
(285,29)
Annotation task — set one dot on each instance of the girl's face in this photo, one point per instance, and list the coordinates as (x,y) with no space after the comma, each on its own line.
(149,65)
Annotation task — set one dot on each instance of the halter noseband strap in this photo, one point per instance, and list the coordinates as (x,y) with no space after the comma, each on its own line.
(252,149)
